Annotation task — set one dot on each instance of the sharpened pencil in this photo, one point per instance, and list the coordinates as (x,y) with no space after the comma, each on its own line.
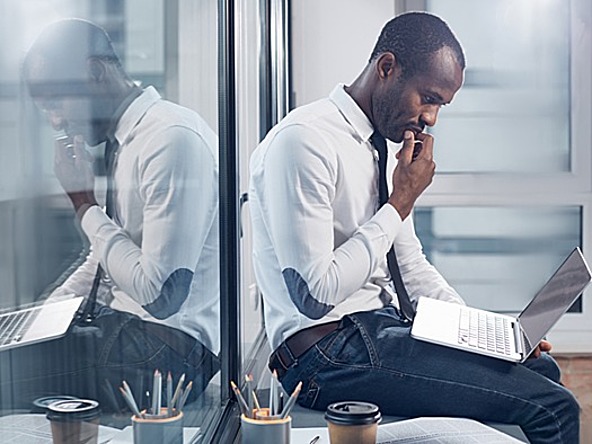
(178,390)
(131,398)
(249,382)
(290,404)
(169,391)
(256,401)
(131,403)
(241,401)
(185,395)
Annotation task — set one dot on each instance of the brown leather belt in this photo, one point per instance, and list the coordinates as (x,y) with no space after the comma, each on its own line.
(296,345)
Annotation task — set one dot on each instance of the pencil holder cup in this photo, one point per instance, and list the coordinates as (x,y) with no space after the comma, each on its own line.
(160,429)
(265,431)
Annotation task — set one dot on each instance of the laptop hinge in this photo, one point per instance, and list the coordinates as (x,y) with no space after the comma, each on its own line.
(518,338)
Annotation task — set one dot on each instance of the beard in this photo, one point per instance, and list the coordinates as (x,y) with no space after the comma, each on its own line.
(387,117)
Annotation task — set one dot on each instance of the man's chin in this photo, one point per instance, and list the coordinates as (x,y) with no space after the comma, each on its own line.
(91,140)
(396,137)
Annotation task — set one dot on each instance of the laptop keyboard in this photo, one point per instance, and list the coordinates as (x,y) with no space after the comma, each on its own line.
(484,331)
(14,325)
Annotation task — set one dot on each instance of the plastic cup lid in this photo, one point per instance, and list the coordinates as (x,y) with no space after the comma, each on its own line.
(352,413)
(43,403)
(73,409)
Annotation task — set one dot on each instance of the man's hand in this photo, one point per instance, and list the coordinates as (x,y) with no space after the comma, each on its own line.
(73,166)
(414,172)
(544,346)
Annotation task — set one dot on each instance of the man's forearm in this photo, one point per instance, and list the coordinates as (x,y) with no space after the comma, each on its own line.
(82,201)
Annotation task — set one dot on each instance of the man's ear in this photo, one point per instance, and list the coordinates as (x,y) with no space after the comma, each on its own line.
(386,64)
(96,69)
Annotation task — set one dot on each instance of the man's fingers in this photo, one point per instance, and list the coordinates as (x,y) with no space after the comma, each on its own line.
(406,152)
(80,151)
(425,147)
(545,346)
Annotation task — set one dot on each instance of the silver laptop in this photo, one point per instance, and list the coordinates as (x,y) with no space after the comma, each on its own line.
(37,323)
(502,336)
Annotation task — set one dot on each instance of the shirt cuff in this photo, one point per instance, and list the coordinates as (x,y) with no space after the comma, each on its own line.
(389,220)
(83,210)
(92,220)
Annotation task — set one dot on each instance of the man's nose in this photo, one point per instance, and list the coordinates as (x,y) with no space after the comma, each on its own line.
(429,116)
(56,120)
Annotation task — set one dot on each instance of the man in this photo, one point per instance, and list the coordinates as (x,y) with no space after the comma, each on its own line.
(321,240)
(154,251)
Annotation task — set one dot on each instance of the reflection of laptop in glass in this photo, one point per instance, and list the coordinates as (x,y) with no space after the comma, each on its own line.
(37,323)
(498,335)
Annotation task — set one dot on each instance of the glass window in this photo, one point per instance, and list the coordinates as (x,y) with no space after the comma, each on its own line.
(497,258)
(512,152)
(513,112)
(153,94)
(248,122)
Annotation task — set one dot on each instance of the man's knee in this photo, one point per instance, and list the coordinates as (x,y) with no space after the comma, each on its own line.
(546,366)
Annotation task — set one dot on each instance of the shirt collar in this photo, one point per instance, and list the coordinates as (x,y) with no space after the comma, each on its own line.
(352,112)
(132,109)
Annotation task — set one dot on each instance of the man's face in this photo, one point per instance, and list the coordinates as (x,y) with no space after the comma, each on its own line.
(401,104)
(74,116)
(71,102)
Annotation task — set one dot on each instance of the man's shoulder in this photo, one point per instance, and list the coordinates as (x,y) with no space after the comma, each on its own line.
(167,116)
(307,123)
(316,112)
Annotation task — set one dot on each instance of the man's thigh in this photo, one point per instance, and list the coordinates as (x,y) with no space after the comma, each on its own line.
(91,361)
(373,358)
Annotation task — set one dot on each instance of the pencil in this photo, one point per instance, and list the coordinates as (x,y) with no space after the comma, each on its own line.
(131,403)
(276,393)
(272,407)
(169,389)
(178,390)
(185,395)
(291,401)
(256,401)
(248,380)
(157,392)
(131,398)
(241,401)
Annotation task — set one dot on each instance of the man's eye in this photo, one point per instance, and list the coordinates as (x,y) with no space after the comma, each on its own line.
(430,100)
(50,105)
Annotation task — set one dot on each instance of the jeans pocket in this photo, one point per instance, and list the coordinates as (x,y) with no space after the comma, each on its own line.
(309,397)
(131,345)
(346,346)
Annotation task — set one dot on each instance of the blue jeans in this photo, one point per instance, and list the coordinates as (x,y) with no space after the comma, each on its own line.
(372,357)
(93,359)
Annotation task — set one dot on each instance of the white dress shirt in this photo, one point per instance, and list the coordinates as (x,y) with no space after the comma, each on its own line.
(161,250)
(319,238)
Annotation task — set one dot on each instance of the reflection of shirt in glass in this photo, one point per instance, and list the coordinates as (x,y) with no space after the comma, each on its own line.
(161,250)
(319,241)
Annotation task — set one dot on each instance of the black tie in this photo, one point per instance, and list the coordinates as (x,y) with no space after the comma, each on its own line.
(405,304)
(88,312)
(110,150)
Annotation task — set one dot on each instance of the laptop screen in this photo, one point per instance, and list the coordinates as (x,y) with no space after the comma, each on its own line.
(554,299)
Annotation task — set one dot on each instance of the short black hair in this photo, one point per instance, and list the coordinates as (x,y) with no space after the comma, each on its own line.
(69,43)
(413,37)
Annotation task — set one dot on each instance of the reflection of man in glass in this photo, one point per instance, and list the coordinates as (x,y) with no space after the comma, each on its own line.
(155,245)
